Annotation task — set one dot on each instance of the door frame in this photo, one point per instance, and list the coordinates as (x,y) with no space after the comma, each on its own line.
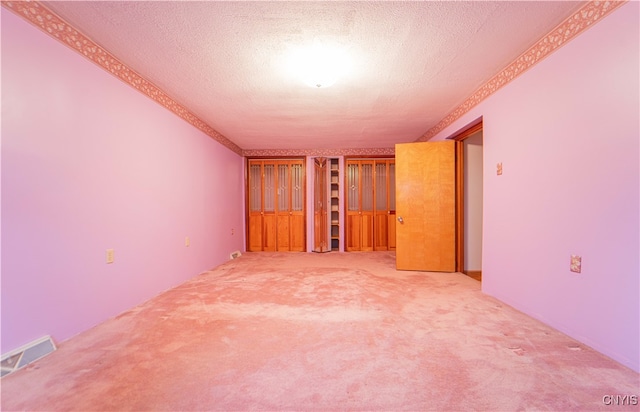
(459,138)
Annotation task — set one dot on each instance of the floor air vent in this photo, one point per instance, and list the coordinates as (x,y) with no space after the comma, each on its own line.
(26,354)
(235,254)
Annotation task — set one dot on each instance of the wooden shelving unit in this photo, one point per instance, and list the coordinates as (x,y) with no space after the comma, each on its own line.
(335,204)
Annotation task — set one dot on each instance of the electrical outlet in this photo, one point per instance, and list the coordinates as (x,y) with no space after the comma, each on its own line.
(187,241)
(499,169)
(576,264)
(110,256)
(232,232)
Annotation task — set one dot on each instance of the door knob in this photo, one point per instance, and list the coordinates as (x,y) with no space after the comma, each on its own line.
(400,219)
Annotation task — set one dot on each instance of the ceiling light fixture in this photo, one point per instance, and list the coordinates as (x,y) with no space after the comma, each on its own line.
(319,65)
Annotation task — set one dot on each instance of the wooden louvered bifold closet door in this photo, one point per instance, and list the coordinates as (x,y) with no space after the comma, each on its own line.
(320,222)
(276,205)
(384,214)
(370,204)
(359,217)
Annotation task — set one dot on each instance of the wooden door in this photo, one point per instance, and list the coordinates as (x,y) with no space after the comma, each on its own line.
(254,227)
(262,213)
(276,205)
(283,215)
(366,205)
(391,217)
(384,210)
(425,196)
(359,205)
(320,223)
(296,211)
(380,219)
(269,221)
(352,199)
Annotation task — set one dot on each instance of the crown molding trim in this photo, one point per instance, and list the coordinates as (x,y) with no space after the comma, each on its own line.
(40,16)
(575,24)
(386,151)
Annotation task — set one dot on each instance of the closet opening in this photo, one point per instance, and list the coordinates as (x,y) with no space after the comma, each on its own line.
(369,193)
(469,204)
(276,198)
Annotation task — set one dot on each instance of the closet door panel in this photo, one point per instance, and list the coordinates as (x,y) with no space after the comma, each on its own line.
(366,228)
(380,220)
(282,232)
(283,193)
(360,205)
(255,207)
(381,234)
(391,235)
(368,200)
(353,232)
(269,235)
(297,233)
(320,224)
(276,199)
(370,211)
(269,188)
(392,205)
(296,214)
(352,218)
(284,188)
(255,233)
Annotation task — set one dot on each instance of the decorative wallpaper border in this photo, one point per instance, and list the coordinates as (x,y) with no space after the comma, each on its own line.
(582,19)
(386,151)
(50,23)
(43,18)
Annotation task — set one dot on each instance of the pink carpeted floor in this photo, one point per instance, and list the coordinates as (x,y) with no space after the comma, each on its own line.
(302,331)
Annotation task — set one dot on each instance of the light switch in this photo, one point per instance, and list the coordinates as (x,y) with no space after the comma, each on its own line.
(499,169)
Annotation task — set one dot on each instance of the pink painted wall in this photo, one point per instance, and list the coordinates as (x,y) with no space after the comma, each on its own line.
(88,163)
(567,133)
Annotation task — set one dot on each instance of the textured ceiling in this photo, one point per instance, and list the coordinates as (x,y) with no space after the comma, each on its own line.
(414,62)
